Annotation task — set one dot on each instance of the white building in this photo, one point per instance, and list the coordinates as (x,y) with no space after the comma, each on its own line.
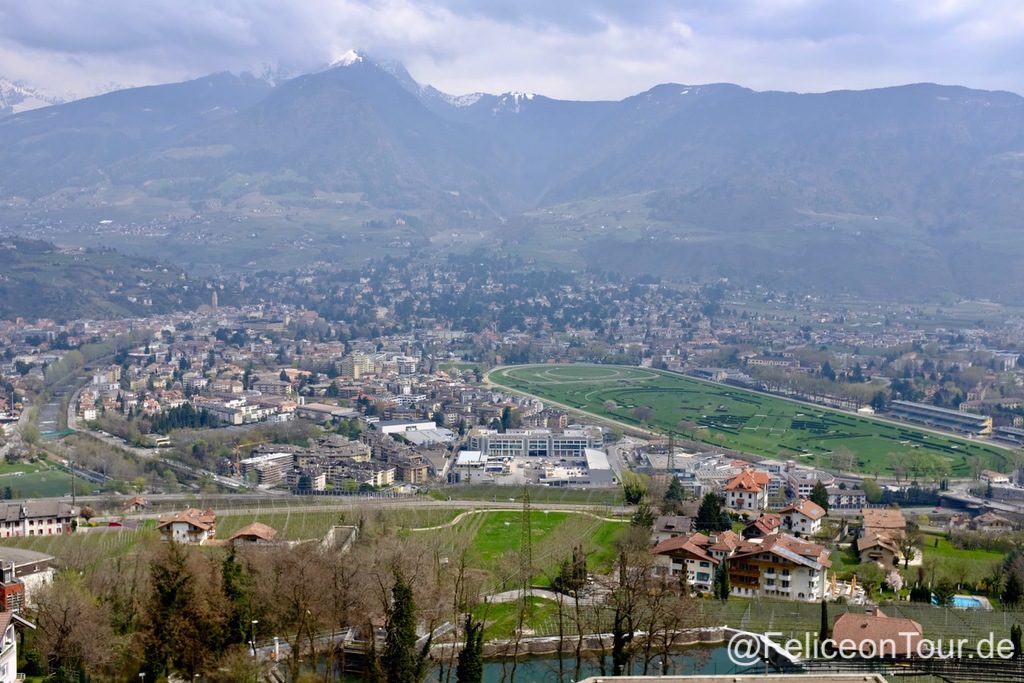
(468,466)
(802,517)
(36,518)
(542,443)
(747,491)
(9,646)
(192,526)
(402,426)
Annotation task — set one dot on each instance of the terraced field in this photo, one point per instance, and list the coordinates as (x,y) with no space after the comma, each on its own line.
(744,420)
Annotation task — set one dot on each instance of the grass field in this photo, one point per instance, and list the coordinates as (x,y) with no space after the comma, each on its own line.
(538,494)
(492,541)
(501,619)
(299,524)
(738,419)
(34,480)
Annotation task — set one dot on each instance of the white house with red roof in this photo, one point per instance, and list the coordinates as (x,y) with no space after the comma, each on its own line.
(802,517)
(747,491)
(189,526)
(689,553)
(778,565)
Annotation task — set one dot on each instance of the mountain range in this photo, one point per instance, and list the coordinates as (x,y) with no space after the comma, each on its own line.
(919,181)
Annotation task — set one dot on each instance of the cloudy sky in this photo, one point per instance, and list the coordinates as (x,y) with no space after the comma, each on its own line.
(585,49)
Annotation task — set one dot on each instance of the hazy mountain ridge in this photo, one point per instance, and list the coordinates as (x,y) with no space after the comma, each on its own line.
(929,162)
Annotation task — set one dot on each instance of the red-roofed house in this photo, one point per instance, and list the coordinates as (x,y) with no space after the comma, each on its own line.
(874,632)
(780,566)
(768,523)
(190,526)
(688,553)
(255,533)
(802,517)
(748,490)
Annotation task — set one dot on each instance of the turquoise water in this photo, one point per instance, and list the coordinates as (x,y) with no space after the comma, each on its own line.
(695,660)
(963,602)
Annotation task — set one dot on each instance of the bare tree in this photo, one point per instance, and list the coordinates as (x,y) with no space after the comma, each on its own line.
(74,636)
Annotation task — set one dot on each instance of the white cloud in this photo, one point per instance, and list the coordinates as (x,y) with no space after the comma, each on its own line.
(570,48)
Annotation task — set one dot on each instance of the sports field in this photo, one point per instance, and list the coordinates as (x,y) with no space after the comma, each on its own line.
(743,420)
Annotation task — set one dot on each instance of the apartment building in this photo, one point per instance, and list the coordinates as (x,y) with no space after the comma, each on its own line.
(36,518)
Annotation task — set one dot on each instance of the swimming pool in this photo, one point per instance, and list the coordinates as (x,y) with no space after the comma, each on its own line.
(966,602)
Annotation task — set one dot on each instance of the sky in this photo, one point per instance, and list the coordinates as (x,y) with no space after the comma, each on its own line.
(571,49)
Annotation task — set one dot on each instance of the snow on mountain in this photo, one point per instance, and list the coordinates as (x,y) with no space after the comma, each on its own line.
(467,100)
(512,101)
(347,59)
(17,96)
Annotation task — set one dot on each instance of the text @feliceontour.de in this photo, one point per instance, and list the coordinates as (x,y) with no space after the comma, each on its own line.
(746,650)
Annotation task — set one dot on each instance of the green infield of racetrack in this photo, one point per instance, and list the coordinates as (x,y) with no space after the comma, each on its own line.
(741,420)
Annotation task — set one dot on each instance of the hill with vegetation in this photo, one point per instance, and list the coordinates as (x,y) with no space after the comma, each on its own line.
(41,280)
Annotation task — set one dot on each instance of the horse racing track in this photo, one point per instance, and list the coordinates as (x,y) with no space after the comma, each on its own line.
(748,421)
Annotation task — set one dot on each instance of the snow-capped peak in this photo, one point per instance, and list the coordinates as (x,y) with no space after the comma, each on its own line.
(348,59)
(467,100)
(512,101)
(17,96)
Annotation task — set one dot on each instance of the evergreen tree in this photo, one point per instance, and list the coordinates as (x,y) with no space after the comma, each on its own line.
(673,497)
(720,587)
(238,591)
(643,516)
(402,664)
(1012,591)
(1015,638)
(470,667)
(819,495)
(827,372)
(572,573)
(710,516)
(180,632)
(823,629)
(633,488)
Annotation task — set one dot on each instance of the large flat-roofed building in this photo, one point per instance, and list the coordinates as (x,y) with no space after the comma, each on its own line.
(402,427)
(324,412)
(943,418)
(541,443)
(598,470)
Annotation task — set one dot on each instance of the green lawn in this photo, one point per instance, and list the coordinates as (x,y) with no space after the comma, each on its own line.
(492,540)
(538,494)
(946,550)
(34,480)
(501,619)
(299,524)
(739,419)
